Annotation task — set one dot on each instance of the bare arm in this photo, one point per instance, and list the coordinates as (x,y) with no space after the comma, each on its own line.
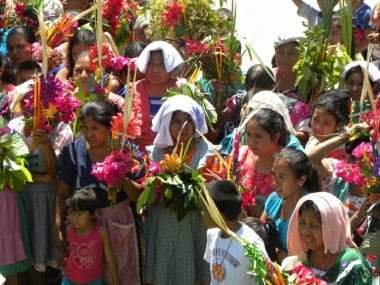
(109,256)
(63,193)
(50,160)
(132,189)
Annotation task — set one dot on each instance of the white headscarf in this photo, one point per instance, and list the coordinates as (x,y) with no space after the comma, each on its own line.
(270,100)
(170,56)
(161,122)
(373,71)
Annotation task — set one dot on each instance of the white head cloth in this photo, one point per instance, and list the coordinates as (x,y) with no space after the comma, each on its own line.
(373,71)
(170,56)
(161,122)
(270,100)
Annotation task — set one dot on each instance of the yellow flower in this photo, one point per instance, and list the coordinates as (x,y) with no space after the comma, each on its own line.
(50,112)
(171,163)
(373,181)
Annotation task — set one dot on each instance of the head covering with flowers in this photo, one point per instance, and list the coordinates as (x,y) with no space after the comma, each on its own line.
(170,56)
(336,229)
(161,121)
(270,100)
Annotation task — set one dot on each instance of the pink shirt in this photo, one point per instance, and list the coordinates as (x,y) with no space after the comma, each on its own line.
(85,259)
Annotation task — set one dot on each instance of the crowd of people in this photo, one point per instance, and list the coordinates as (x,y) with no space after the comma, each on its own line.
(305,179)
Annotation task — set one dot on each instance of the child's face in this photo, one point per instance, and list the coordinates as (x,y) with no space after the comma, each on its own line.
(26,75)
(323,124)
(284,180)
(335,35)
(80,220)
(310,230)
(177,122)
(156,72)
(259,140)
(354,85)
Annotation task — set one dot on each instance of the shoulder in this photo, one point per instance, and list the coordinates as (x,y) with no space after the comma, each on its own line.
(273,201)
(212,233)
(251,236)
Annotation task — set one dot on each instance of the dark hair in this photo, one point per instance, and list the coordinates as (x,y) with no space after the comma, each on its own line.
(310,205)
(134,49)
(83,200)
(23,31)
(101,111)
(353,70)
(336,103)
(268,233)
(28,65)
(8,76)
(227,198)
(258,77)
(273,123)
(300,165)
(81,36)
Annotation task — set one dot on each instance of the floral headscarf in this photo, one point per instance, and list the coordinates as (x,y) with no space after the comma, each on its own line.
(336,229)
(161,122)
(170,56)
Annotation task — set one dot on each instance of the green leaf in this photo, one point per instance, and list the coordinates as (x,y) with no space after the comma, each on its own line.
(146,198)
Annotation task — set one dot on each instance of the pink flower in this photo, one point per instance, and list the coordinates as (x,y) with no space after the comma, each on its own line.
(364,148)
(171,16)
(37,51)
(299,112)
(154,168)
(248,199)
(305,276)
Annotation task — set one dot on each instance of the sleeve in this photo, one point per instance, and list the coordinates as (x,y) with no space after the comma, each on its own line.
(271,206)
(354,272)
(366,20)
(308,12)
(67,170)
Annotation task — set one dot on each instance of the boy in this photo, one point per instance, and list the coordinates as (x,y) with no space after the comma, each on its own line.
(27,70)
(228,265)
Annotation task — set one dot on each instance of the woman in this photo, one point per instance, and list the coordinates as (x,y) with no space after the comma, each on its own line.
(174,249)
(159,61)
(320,234)
(19,44)
(74,172)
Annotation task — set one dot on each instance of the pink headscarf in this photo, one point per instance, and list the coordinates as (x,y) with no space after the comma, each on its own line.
(336,229)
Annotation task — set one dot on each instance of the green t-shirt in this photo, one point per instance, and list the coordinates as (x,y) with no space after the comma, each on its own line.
(349,268)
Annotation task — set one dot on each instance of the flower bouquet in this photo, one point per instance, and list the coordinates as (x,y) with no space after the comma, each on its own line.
(12,159)
(49,103)
(174,184)
(115,166)
(364,172)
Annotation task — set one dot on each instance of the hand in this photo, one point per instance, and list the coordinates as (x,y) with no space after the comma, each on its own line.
(218,86)
(362,212)
(60,240)
(40,136)
(374,37)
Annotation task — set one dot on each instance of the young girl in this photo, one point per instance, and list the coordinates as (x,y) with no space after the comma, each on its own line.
(293,177)
(326,144)
(19,44)
(74,172)
(266,135)
(159,61)
(354,81)
(174,249)
(88,243)
(320,234)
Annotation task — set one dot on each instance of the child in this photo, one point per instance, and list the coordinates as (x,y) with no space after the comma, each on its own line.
(88,242)
(293,177)
(228,265)
(27,70)
(325,146)
(320,234)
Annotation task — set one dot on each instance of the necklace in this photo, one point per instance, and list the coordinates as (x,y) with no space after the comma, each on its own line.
(218,270)
(321,272)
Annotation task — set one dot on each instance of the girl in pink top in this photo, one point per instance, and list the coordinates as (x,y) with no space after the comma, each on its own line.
(88,243)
